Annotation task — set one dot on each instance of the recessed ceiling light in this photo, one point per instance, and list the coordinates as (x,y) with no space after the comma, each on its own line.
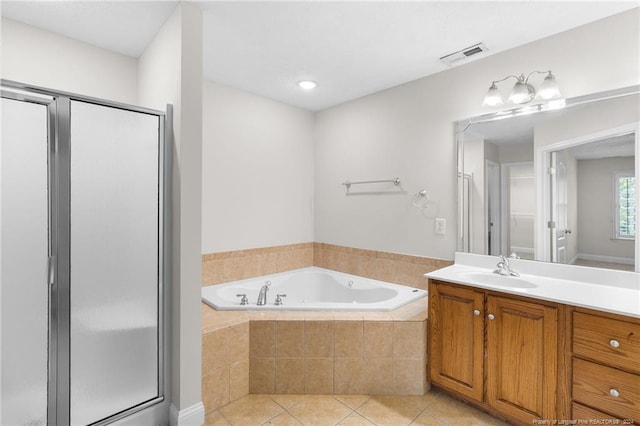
(307,84)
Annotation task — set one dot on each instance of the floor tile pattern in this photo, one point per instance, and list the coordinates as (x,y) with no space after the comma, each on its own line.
(433,409)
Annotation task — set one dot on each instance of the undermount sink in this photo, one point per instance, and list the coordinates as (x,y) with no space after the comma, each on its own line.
(496,279)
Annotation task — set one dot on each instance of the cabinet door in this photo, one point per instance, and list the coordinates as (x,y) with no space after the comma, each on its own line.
(456,338)
(521,358)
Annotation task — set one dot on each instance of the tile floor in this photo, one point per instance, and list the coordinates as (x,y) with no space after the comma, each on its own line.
(434,408)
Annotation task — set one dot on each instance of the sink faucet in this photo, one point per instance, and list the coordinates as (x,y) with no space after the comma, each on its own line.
(503,268)
(262,296)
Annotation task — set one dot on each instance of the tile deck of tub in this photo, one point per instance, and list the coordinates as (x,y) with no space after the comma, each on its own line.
(309,353)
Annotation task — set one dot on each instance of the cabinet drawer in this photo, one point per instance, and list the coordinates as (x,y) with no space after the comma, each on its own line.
(586,415)
(595,384)
(612,342)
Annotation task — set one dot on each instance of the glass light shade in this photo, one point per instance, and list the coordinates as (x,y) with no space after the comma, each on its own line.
(521,93)
(549,88)
(493,97)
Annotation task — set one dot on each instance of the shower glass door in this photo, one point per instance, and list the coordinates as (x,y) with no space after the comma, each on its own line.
(114,260)
(82,252)
(24,252)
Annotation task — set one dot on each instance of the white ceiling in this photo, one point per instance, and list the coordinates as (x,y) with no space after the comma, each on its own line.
(350,48)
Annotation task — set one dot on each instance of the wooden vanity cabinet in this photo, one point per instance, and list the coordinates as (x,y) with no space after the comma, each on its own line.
(495,350)
(605,380)
(522,358)
(456,338)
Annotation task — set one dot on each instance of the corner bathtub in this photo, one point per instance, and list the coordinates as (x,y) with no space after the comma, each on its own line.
(312,289)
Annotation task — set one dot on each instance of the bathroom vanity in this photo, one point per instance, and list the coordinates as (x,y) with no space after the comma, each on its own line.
(558,343)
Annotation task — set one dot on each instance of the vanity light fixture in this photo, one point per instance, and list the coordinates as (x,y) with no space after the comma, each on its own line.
(523,91)
(307,84)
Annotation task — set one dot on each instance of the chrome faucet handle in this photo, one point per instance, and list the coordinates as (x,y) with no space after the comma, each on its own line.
(244,300)
(279,300)
(267,283)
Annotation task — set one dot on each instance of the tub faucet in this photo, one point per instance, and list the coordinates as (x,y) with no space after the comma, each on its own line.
(262,296)
(503,268)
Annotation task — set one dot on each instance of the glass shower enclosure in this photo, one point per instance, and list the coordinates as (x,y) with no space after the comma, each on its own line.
(82,260)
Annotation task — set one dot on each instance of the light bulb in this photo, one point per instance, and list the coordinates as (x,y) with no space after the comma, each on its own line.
(307,84)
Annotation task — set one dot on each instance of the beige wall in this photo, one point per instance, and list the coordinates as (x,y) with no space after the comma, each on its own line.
(257,156)
(41,58)
(170,71)
(408,132)
(596,208)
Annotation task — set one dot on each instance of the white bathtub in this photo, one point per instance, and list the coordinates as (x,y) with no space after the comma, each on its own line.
(312,289)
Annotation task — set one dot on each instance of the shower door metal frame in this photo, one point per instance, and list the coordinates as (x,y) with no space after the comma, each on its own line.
(59,268)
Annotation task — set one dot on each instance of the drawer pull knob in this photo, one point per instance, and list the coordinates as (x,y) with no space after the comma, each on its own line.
(476,312)
(614,392)
(614,343)
(491,316)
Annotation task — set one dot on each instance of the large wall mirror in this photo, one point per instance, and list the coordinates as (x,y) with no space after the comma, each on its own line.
(553,182)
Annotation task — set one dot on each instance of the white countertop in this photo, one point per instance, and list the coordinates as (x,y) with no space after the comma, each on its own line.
(605,290)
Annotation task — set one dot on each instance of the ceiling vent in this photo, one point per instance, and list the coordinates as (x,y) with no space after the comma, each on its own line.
(462,55)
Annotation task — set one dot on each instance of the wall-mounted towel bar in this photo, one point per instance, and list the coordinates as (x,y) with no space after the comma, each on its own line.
(395,181)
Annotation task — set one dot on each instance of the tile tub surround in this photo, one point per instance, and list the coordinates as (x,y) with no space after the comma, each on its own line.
(285,352)
(390,267)
(395,268)
(236,265)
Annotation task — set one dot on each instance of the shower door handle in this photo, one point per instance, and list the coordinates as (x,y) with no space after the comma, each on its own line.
(51,270)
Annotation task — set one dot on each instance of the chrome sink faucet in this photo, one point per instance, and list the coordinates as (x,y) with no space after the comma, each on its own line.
(504,268)
(262,296)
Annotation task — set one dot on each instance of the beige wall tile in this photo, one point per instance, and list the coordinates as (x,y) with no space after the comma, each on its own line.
(378,339)
(409,339)
(318,376)
(290,375)
(215,350)
(238,380)
(262,339)
(378,376)
(234,265)
(349,339)
(289,339)
(409,376)
(262,375)
(384,269)
(212,272)
(348,376)
(319,339)
(215,389)
(239,342)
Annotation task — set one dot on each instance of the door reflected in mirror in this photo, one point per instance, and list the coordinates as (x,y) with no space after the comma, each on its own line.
(554,185)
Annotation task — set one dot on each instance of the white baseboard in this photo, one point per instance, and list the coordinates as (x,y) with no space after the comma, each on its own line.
(611,259)
(190,416)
